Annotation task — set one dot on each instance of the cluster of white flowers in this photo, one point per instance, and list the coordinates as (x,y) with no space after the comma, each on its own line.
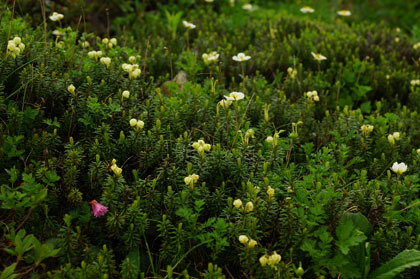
(115,168)
(95,54)
(271,260)
(106,61)
(15,46)
(109,43)
(56,16)
(292,72)
(393,137)
(133,70)
(415,82)
(366,129)
(249,243)
(137,123)
(312,96)
(211,57)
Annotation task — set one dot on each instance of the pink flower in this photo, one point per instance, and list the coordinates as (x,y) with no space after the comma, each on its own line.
(98,209)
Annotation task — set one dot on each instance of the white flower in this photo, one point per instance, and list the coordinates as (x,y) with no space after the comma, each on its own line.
(318,56)
(188,25)
(225,103)
(312,96)
(399,168)
(113,41)
(56,16)
(249,206)
(132,59)
(248,7)
(307,9)
(240,57)
(57,33)
(235,96)
(209,1)
(396,135)
(344,13)
(418,151)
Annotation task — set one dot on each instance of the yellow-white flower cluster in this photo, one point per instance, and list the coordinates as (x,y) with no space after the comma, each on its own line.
(137,123)
(15,46)
(133,70)
(106,61)
(271,260)
(109,43)
(201,147)
(366,129)
(292,72)
(312,96)
(191,179)
(270,192)
(224,103)
(249,206)
(393,137)
(85,44)
(415,82)
(115,168)
(211,57)
(416,45)
(248,242)
(95,54)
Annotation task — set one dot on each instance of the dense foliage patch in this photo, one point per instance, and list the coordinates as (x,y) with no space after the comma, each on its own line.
(212,140)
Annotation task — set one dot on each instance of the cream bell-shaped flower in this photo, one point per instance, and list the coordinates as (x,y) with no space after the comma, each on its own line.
(399,168)
(188,25)
(344,13)
(235,96)
(126,94)
(241,57)
(252,243)
(243,239)
(85,44)
(237,203)
(307,9)
(133,122)
(225,103)
(56,16)
(139,124)
(71,89)
(318,56)
(366,129)
(418,151)
(249,206)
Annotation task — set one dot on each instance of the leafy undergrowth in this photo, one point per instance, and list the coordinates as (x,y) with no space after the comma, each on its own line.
(166,152)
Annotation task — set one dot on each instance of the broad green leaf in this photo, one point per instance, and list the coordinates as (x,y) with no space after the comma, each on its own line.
(348,235)
(405,259)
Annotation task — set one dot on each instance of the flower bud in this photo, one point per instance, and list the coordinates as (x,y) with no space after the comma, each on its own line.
(237,203)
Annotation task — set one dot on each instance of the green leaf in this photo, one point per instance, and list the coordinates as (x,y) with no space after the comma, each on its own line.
(348,235)
(359,221)
(405,259)
(8,272)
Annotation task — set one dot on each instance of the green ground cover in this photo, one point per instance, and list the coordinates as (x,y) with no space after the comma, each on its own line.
(187,139)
